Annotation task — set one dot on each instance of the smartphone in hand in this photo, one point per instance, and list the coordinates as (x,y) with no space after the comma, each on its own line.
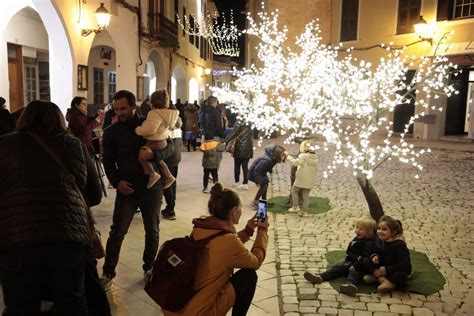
(262,210)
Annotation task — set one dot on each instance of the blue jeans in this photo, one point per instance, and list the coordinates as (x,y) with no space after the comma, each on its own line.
(55,273)
(149,202)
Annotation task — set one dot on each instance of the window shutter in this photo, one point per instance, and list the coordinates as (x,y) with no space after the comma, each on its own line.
(443,10)
(349,20)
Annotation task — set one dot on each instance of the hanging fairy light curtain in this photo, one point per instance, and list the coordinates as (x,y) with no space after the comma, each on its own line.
(222,35)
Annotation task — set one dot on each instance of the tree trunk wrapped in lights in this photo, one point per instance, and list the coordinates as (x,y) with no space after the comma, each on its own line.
(313,90)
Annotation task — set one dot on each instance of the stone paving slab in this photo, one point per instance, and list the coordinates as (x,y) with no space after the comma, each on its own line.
(437,212)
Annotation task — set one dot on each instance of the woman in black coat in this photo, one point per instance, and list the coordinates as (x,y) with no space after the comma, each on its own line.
(243,152)
(44,224)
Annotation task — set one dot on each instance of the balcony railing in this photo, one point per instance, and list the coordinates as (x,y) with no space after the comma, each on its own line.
(164,30)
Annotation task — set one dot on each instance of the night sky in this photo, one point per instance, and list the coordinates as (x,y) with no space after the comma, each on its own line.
(238,6)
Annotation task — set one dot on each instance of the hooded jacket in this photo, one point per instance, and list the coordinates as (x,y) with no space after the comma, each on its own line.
(307,169)
(157,124)
(263,164)
(211,154)
(210,120)
(215,294)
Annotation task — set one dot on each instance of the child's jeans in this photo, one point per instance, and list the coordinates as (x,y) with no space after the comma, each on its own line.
(146,154)
(205,179)
(295,194)
(342,269)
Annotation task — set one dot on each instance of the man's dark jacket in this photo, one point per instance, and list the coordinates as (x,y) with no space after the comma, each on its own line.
(7,122)
(38,206)
(121,147)
(210,120)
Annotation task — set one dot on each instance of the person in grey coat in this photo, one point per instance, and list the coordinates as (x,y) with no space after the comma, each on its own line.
(243,152)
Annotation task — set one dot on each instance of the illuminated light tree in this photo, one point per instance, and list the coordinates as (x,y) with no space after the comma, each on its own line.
(222,36)
(313,90)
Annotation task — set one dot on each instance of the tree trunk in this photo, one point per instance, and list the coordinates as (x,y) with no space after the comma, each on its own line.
(373,201)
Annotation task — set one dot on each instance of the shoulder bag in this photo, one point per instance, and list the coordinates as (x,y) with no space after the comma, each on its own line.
(97,249)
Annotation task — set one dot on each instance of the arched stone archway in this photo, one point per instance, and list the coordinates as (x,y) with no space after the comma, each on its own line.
(156,60)
(60,54)
(193,90)
(102,81)
(178,84)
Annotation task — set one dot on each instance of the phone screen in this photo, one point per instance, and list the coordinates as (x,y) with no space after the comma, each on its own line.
(262,210)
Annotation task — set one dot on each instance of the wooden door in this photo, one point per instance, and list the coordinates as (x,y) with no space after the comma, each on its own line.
(15,76)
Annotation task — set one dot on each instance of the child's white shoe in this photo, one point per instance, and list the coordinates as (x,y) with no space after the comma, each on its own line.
(243,187)
(152,179)
(294,210)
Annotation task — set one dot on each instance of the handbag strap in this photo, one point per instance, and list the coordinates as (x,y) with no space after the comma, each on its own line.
(69,176)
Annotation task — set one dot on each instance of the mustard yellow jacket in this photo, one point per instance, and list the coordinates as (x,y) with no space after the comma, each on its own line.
(215,294)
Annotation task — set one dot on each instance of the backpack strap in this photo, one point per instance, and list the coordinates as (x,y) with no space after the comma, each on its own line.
(208,239)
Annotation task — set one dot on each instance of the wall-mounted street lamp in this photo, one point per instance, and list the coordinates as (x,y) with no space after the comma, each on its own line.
(424,30)
(207,71)
(102,16)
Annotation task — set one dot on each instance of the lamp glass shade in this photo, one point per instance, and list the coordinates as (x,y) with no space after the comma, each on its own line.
(207,71)
(102,16)
(425,30)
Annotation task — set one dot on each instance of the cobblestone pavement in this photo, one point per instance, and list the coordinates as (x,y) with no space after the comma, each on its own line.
(437,212)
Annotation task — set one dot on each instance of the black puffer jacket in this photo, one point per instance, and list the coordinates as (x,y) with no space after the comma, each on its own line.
(244,141)
(38,206)
(262,165)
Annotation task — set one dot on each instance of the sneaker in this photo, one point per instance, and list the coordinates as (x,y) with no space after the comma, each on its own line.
(169,182)
(147,275)
(369,278)
(349,289)
(293,210)
(106,282)
(243,187)
(302,213)
(236,185)
(170,215)
(152,179)
(313,278)
(205,190)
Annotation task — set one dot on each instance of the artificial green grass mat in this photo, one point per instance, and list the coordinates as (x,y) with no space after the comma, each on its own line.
(317,205)
(425,278)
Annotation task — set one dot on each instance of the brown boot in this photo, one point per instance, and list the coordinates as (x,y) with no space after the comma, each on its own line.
(369,278)
(385,285)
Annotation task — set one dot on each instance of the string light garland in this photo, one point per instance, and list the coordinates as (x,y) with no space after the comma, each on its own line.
(222,37)
(220,73)
(316,91)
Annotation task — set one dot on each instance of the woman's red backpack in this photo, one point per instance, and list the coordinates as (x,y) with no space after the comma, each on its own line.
(174,271)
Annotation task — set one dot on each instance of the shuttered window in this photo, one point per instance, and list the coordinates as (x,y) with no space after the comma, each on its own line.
(349,20)
(408,14)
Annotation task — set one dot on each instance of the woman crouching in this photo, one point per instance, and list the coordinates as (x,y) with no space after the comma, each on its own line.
(218,288)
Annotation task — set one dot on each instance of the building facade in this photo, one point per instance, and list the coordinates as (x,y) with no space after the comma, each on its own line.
(364,23)
(45,55)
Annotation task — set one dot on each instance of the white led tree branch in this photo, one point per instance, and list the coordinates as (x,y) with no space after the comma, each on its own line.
(316,90)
